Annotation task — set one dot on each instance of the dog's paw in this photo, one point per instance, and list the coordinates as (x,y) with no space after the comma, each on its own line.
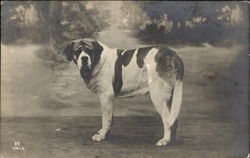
(101,135)
(98,137)
(162,142)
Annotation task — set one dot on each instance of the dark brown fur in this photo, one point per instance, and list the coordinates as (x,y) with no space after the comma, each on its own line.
(142,53)
(168,64)
(122,60)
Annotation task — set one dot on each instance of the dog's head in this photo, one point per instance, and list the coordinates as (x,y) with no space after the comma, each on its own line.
(85,53)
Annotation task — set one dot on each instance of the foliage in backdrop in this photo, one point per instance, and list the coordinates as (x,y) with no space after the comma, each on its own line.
(39,22)
(194,23)
(217,23)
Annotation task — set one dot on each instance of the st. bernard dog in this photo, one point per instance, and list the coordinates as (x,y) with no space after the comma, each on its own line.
(118,73)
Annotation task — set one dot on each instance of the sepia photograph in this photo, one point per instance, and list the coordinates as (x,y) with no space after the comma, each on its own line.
(124,79)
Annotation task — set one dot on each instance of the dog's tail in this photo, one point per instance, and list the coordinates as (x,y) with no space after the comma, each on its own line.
(176,102)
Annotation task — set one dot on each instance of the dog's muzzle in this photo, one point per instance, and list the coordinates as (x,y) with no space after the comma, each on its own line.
(83,61)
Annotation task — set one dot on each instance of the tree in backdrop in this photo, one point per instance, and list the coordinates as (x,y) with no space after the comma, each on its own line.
(52,22)
(217,23)
(56,22)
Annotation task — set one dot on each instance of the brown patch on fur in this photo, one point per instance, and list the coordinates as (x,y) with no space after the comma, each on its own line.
(142,53)
(168,64)
(123,59)
(127,56)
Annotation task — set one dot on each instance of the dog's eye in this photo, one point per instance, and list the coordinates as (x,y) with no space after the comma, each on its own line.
(78,51)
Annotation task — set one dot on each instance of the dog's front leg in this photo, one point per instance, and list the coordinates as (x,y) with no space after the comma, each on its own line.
(107,113)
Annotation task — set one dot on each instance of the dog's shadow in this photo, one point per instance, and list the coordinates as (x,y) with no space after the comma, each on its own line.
(127,131)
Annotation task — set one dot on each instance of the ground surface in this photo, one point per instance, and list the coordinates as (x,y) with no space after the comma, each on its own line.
(67,137)
(52,114)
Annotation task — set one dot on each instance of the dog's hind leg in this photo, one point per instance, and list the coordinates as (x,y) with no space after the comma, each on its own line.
(161,96)
(107,114)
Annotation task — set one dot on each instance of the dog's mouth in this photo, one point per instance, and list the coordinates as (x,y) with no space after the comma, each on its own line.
(85,73)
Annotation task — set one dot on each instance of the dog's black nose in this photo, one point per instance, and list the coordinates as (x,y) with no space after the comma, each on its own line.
(85,60)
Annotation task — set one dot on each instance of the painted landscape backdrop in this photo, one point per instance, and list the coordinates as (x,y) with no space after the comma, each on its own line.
(47,110)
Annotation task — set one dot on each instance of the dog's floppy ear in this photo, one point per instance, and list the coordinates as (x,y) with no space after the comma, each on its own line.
(97,49)
(68,51)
